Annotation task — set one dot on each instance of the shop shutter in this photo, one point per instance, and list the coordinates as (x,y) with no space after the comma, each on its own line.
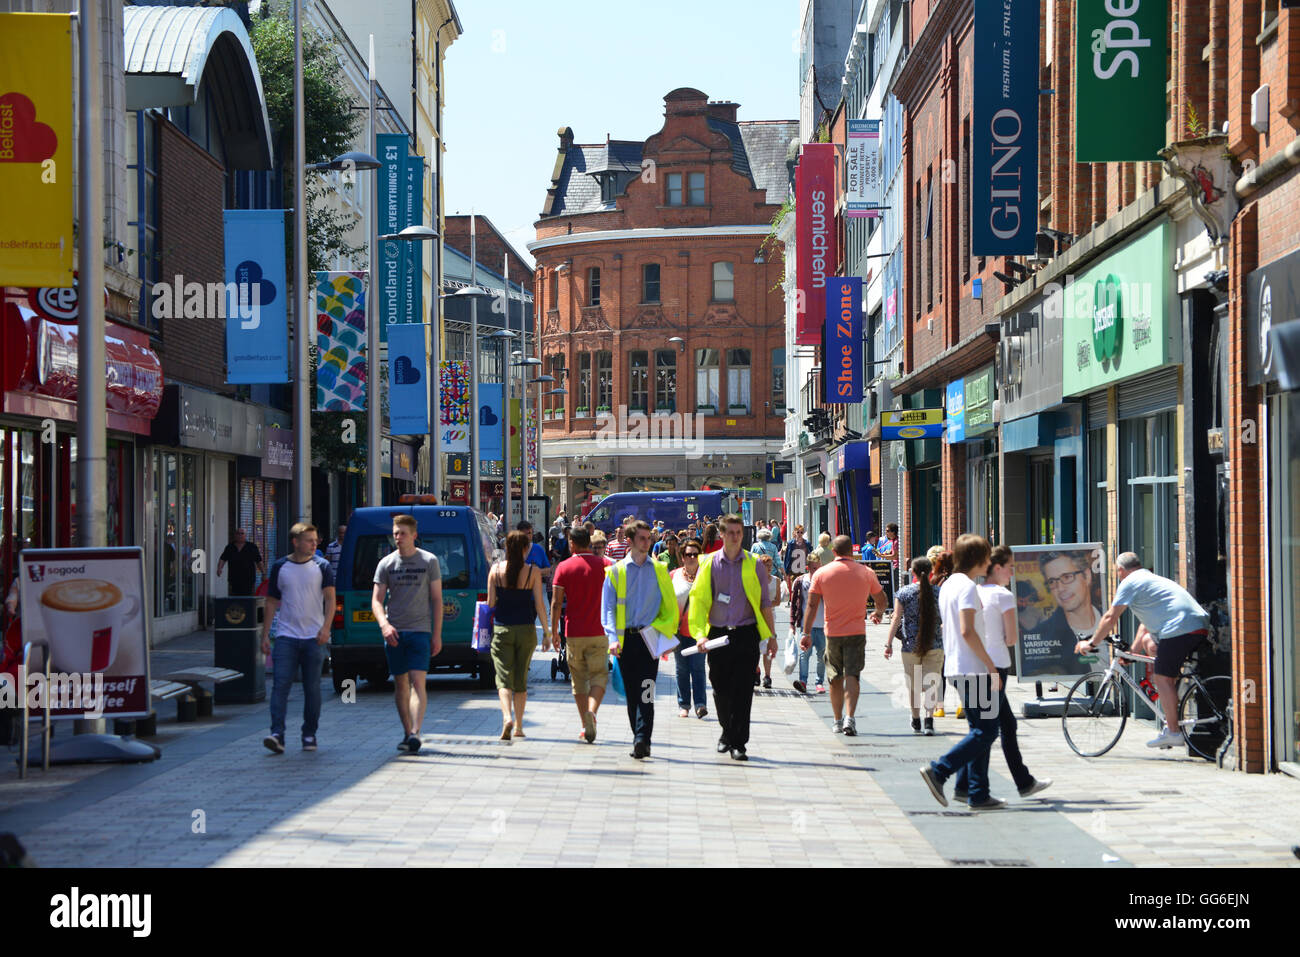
(1149,394)
(1097,410)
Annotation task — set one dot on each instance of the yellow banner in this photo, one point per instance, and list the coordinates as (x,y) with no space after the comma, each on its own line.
(36,149)
(912,417)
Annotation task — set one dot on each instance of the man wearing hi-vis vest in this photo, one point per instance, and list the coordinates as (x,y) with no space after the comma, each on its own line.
(730,598)
(637,593)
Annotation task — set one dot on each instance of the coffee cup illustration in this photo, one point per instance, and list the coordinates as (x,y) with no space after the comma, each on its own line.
(83,622)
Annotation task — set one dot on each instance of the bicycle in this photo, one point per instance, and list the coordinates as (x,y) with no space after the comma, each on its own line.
(1094,719)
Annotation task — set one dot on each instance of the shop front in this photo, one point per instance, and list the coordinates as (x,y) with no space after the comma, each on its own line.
(204,479)
(853,490)
(1273,352)
(38,415)
(398,461)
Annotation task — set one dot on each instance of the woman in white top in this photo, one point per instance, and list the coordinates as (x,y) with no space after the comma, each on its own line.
(1000,635)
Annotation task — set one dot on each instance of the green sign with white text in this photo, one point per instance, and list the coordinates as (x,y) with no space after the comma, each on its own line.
(1116,320)
(978,390)
(1120,66)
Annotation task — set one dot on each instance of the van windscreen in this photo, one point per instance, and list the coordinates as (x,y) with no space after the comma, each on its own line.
(448,549)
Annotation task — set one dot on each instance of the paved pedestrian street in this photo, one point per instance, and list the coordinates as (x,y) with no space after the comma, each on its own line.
(806,797)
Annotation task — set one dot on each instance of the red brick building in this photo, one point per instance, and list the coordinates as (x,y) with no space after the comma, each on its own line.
(656,296)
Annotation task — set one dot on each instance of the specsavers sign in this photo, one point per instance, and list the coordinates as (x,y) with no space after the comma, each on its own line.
(1120,79)
(1117,315)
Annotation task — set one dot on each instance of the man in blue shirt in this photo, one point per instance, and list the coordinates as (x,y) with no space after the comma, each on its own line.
(869,551)
(1172,626)
(646,599)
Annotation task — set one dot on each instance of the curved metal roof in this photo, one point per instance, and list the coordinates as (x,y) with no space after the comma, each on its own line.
(171,50)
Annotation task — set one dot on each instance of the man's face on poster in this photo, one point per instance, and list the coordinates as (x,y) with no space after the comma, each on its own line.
(1069,584)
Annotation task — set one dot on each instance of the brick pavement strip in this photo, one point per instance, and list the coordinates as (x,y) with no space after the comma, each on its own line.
(806,797)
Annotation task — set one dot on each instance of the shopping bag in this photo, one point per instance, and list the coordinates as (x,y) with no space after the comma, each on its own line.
(616,677)
(482,638)
(791,655)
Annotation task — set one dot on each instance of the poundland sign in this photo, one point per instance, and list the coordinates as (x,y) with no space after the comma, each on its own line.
(1119,80)
(1004,123)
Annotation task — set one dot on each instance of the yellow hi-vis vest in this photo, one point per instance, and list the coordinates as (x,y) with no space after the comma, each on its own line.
(702,595)
(667,617)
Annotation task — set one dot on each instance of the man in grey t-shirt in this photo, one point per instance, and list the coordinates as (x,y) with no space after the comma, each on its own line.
(410,579)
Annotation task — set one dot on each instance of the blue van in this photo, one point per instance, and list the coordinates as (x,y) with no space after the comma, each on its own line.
(675,509)
(462,540)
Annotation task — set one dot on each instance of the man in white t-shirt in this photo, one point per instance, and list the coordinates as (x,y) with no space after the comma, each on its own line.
(1000,633)
(973,672)
(300,587)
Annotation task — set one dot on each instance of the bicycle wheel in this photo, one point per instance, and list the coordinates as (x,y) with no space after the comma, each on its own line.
(1206,710)
(1094,714)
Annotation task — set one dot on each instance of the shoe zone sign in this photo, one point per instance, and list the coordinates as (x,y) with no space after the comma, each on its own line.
(1004,128)
(1120,80)
(842,370)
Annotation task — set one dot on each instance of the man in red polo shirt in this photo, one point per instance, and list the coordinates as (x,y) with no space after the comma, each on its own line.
(579,579)
(844,585)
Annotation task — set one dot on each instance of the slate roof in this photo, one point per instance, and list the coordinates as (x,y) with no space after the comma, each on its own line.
(758,150)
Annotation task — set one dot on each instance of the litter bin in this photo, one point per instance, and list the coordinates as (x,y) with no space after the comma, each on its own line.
(238,645)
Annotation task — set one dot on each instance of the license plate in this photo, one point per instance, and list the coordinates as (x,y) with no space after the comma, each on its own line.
(363,616)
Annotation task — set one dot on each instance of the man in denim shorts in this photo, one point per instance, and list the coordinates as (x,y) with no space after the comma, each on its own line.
(410,579)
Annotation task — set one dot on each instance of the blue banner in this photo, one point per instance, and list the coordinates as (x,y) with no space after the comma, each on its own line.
(491,410)
(956,410)
(842,370)
(257,322)
(408,380)
(1004,128)
(392,253)
(413,214)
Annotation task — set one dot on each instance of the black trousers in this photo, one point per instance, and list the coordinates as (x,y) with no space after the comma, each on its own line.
(731,672)
(638,668)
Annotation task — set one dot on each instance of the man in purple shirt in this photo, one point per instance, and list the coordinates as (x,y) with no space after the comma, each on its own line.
(729,597)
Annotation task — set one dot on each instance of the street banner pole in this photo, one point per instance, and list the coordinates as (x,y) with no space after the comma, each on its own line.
(374,419)
(302,329)
(473,371)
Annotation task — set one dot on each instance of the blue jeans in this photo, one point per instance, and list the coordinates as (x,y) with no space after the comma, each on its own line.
(690,676)
(971,754)
(818,636)
(287,656)
(1010,747)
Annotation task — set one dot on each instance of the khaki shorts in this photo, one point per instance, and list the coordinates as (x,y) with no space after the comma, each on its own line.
(588,662)
(846,656)
(512,650)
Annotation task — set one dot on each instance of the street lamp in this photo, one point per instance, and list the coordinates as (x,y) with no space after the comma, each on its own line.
(679,342)
(541,471)
(523,420)
(415,234)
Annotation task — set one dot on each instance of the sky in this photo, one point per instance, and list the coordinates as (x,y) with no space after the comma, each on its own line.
(525,68)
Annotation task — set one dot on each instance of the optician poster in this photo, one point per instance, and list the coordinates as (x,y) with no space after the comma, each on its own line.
(1060,598)
(89,604)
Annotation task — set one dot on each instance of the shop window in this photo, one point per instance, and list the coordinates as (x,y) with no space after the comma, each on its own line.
(706,380)
(1149,488)
(638,391)
(738,377)
(724,282)
(176,506)
(665,380)
(650,282)
(1098,517)
(556,402)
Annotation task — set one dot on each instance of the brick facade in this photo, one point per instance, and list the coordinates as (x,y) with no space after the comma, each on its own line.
(192,240)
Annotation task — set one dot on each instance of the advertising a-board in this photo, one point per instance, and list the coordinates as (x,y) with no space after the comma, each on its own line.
(89,605)
(1060,598)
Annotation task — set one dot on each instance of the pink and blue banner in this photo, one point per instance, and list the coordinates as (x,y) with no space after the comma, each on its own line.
(842,370)
(340,341)
(453,379)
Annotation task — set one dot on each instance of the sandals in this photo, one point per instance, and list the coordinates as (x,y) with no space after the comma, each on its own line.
(506,729)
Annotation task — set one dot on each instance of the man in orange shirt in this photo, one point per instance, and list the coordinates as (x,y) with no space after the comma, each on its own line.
(844,585)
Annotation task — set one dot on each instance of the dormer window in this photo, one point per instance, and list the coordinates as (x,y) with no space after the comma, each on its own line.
(608,187)
(685,190)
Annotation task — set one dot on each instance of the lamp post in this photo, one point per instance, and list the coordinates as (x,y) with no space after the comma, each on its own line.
(524,363)
(473,293)
(561,391)
(416,234)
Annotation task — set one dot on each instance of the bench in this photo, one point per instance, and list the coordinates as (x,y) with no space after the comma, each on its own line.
(193,679)
(159,690)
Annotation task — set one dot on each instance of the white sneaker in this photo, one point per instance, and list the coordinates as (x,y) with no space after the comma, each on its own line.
(839,727)
(1166,739)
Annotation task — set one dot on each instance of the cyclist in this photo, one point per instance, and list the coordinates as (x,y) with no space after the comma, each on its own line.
(1172,626)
